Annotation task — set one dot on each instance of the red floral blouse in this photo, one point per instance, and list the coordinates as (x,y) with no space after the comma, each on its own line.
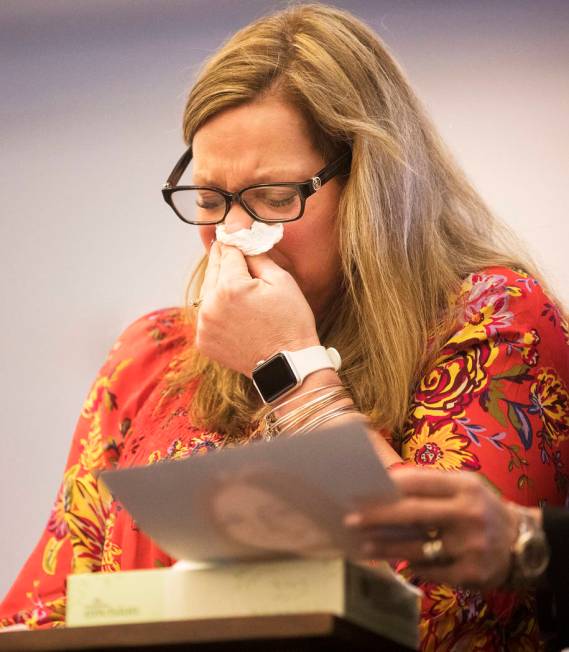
(496,402)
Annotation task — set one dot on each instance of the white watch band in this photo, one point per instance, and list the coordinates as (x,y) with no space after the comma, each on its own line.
(314,358)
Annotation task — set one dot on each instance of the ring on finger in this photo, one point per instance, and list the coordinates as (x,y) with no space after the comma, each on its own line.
(433,532)
(433,550)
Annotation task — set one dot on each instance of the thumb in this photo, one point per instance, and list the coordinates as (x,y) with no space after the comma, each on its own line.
(264,267)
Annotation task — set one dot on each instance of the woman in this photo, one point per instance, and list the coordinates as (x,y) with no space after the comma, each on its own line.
(388,255)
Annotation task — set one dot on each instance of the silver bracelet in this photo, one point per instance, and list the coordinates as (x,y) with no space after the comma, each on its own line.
(308,409)
(296,398)
(324,418)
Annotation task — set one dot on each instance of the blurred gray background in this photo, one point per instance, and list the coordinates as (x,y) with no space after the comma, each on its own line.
(92,94)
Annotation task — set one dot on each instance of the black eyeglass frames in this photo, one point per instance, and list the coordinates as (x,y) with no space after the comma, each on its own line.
(264,202)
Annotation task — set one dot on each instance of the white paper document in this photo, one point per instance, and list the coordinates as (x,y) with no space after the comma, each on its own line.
(281,498)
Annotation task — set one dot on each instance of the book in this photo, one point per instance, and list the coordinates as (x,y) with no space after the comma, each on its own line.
(371,597)
(261,530)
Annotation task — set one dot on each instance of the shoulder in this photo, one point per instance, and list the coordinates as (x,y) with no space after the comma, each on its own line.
(499,300)
(157,334)
(506,319)
(498,287)
(139,358)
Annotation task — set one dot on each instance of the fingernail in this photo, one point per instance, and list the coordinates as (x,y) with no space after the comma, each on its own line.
(352,520)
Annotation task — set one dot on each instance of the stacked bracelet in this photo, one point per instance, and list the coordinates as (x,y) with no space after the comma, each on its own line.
(293,418)
(308,416)
(327,416)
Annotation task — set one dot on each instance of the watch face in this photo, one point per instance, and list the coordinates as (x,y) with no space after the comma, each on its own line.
(274,378)
(533,554)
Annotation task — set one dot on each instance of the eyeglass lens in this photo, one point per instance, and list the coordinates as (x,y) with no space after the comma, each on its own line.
(269,203)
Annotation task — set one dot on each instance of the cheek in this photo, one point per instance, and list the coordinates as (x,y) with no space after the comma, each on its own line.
(207,236)
(311,249)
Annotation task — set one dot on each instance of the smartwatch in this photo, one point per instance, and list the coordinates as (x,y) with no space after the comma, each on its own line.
(286,370)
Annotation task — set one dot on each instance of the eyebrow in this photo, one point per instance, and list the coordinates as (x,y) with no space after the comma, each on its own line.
(270,176)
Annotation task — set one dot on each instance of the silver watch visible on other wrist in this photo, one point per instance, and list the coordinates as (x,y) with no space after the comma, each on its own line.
(530,550)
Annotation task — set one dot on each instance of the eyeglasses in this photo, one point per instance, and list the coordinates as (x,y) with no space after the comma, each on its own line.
(264,202)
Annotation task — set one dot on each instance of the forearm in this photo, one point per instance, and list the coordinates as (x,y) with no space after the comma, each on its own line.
(320,384)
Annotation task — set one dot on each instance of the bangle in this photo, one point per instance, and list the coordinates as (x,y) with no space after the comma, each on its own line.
(273,426)
(308,409)
(327,416)
(299,396)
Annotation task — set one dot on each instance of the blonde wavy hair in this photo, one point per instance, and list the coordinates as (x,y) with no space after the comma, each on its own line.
(410,225)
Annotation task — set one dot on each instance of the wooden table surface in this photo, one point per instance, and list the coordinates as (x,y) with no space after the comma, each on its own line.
(279,633)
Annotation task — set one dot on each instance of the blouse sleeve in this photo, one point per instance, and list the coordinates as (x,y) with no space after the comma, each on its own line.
(495,402)
(73,538)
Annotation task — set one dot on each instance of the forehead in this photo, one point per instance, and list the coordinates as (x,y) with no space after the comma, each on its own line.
(253,140)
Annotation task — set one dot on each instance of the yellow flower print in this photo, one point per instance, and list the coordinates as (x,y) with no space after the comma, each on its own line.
(439,447)
(177,450)
(485,298)
(57,524)
(550,400)
(454,381)
(43,612)
(447,599)
(100,399)
(459,619)
(111,550)
(529,342)
(100,394)
(154,457)
(91,457)
(440,620)
(86,517)
(205,443)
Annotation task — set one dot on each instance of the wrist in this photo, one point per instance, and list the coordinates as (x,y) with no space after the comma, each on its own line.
(317,383)
(288,370)
(529,550)
(298,343)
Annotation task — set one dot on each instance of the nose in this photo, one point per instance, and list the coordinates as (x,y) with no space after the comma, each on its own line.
(237,218)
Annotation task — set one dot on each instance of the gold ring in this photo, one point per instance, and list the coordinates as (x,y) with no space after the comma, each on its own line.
(433,532)
(433,550)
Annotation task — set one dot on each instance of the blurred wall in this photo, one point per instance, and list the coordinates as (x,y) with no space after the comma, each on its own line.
(90,112)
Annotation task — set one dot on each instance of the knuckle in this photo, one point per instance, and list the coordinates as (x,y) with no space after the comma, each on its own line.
(470,481)
(475,513)
(469,511)
(229,292)
(478,546)
(414,505)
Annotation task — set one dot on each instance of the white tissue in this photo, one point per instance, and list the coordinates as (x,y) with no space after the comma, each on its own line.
(257,240)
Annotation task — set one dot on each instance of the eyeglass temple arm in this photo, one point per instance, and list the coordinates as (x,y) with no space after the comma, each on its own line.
(179,168)
(334,168)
